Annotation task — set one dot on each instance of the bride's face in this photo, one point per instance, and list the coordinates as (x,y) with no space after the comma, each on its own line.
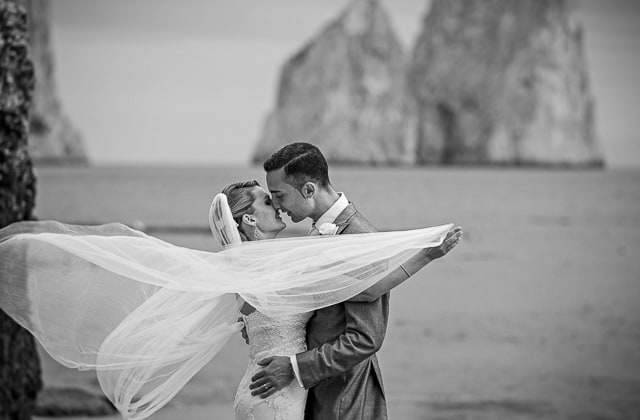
(267,218)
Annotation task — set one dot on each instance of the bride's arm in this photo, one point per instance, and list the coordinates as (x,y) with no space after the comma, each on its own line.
(409,267)
(245,309)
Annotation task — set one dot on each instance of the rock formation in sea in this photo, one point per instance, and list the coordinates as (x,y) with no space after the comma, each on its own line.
(503,82)
(52,138)
(344,91)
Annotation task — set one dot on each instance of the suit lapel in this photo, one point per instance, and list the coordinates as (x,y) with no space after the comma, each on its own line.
(342,221)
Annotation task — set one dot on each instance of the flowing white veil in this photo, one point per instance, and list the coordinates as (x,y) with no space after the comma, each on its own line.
(221,222)
(147,315)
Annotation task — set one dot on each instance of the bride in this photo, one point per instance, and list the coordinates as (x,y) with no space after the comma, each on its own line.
(148,315)
(256,219)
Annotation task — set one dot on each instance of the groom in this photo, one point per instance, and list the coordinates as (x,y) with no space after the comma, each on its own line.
(340,368)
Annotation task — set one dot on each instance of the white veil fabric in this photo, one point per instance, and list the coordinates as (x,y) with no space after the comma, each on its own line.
(221,222)
(148,315)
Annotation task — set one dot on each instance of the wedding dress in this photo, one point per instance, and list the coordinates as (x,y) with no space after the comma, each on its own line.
(148,315)
(272,336)
(268,336)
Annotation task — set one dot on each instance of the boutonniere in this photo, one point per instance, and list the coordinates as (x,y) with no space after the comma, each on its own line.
(327,229)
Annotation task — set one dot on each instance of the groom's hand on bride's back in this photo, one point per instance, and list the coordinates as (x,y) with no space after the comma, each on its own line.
(276,373)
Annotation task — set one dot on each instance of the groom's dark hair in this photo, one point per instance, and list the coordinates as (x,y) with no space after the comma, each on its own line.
(302,162)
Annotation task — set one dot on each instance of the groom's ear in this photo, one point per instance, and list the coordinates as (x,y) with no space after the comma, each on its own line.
(308,190)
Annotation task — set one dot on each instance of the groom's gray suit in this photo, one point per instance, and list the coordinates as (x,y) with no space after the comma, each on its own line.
(340,369)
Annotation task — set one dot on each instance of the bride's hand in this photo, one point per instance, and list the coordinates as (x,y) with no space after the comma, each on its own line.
(245,336)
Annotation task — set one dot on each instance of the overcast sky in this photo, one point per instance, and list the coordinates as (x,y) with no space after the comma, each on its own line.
(190,81)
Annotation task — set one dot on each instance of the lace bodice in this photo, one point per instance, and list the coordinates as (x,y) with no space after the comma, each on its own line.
(284,335)
(277,336)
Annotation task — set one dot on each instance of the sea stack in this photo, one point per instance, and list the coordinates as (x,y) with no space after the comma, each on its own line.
(52,137)
(502,82)
(345,91)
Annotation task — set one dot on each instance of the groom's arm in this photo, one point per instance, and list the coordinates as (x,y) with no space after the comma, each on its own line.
(366,326)
(393,279)
(410,267)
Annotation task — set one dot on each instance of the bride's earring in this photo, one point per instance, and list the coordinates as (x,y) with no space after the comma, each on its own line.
(252,222)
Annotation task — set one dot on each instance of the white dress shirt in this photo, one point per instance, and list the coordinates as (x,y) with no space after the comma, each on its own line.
(328,217)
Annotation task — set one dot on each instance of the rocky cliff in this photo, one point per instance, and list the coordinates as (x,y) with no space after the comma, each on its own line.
(502,82)
(489,82)
(345,92)
(52,137)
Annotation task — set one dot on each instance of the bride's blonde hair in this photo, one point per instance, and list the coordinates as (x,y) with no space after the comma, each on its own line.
(240,197)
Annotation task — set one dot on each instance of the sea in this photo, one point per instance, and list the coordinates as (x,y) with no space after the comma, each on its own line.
(535,315)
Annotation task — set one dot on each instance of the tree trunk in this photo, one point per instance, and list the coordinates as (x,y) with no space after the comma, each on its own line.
(20,378)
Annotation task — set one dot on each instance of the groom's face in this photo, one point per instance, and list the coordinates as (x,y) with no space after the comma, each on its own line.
(286,197)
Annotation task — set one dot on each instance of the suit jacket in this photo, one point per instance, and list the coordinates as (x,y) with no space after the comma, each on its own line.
(340,369)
